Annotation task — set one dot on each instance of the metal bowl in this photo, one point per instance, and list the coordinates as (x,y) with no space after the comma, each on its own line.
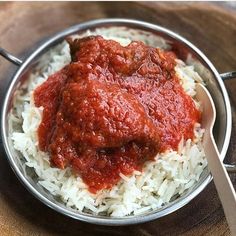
(184,49)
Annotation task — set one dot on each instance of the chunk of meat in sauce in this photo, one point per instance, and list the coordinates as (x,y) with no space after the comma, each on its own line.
(99,119)
(112,109)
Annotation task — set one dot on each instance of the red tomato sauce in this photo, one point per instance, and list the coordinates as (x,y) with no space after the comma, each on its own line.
(112,109)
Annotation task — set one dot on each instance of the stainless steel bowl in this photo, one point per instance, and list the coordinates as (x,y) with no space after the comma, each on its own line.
(204,67)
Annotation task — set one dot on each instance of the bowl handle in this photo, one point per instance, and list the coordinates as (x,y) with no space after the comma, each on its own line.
(10,57)
(228,75)
(231,168)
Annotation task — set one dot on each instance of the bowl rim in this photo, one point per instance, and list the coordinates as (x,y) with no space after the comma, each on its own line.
(102,23)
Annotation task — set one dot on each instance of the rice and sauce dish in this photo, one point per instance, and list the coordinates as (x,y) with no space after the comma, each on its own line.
(110,125)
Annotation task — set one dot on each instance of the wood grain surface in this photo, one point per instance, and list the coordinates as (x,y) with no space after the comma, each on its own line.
(211,27)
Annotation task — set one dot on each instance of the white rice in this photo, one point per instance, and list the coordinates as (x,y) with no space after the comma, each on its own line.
(162,180)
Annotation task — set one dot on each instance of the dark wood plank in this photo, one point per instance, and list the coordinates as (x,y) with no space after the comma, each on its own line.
(211,27)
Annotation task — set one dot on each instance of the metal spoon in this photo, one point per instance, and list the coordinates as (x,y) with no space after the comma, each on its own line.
(221,179)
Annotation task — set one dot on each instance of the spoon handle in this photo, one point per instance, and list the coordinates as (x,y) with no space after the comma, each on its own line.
(222,181)
(10,57)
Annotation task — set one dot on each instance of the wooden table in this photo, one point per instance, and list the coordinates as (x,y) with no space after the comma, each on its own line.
(211,27)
